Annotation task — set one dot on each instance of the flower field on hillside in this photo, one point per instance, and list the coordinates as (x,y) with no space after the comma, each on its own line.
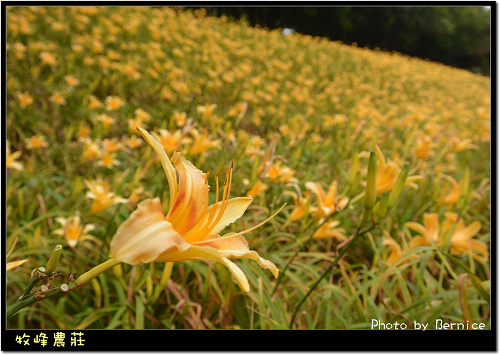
(221,176)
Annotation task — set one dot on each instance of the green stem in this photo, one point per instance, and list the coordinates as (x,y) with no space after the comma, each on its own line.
(96,271)
(35,297)
(27,299)
(32,284)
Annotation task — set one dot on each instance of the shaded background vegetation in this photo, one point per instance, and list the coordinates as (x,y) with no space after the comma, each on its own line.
(456,36)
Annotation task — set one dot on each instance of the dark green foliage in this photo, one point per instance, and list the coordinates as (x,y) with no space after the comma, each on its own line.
(456,36)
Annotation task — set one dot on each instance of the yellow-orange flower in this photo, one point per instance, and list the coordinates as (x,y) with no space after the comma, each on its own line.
(424,147)
(395,251)
(111,145)
(11,159)
(106,120)
(257,189)
(134,142)
(301,205)
(91,150)
(24,99)
(462,144)
(206,110)
(281,172)
(330,230)
(450,194)
(71,80)
(141,115)
(94,103)
(36,142)
(170,141)
(388,172)
(108,160)
(328,202)
(461,242)
(57,98)
(201,142)
(114,103)
(84,131)
(48,58)
(72,230)
(179,118)
(101,195)
(190,228)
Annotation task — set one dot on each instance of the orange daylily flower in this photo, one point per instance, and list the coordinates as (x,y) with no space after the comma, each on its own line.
(395,250)
(24,99)
(328,202)
(257,189)
(94,103)
(73,231)
(424,147)
(91,150)
(201,142)
(330,230)
(170,141)
(462,144)
(58,98)
(114,103)
(11,159)
(190,229)
(301,205)
(388,172)
(451,194)
(101,196)
(134,142)
(106,120)
(36,142)
(461,242)
(280,171)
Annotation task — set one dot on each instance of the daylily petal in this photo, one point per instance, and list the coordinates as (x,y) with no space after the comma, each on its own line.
(396,251)
(206,253)
(418,241)
(192,198)
(471,230)
(380,155)
(328,230)
(386,177)
(331,195)
(451,219)
(165,162)
(464,247)
(14,264)
(145,235)
(317,190)
(235,245)
(431,223)
(417,227)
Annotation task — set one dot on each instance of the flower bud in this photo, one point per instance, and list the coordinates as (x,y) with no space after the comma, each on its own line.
(371,182)
(54,260)
(354,168)
(380,208)
(398,185)
(355,183)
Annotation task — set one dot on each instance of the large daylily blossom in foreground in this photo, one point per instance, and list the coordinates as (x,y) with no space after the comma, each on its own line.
(190,229)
